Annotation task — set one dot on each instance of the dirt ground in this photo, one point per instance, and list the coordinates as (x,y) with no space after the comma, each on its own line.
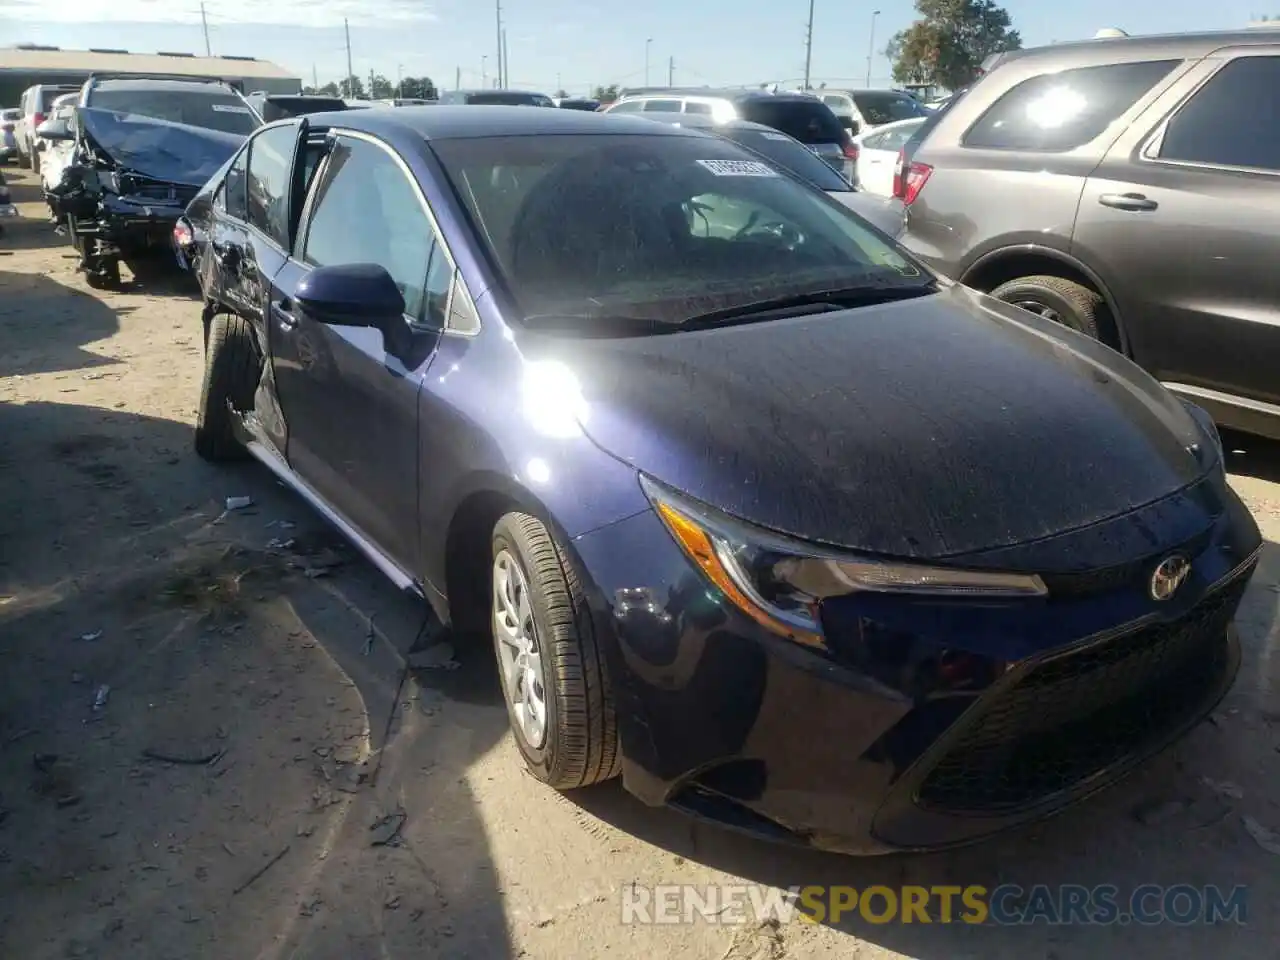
(211,746)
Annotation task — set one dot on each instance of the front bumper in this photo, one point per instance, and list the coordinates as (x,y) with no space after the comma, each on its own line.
(925,724)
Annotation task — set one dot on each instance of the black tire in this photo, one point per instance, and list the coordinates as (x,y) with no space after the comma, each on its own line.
(231,370)
(1055,298)
(105,275)
(580,747)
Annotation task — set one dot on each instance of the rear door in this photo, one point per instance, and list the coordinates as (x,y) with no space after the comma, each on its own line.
(351,399)
(1182,220)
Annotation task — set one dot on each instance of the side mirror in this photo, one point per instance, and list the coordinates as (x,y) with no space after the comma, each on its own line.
(353,295)
(54,130)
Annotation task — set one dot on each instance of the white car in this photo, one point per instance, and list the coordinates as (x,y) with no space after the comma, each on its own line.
(878,154)
(54,154)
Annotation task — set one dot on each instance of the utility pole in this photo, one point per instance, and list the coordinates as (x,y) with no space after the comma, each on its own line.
(500,43)
(346,27)
(315,78)
(671,71)
(871,45)
(370,91)
(506,62)
(204,22)
(808,47)
(647,44)
(484,71)
(457,78)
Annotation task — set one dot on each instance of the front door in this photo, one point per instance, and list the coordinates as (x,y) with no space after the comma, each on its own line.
(349,398)
(1181,219)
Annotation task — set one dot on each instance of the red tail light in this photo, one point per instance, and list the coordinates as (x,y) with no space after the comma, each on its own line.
(909,179)
(183,235)
(37,120)
(850,150)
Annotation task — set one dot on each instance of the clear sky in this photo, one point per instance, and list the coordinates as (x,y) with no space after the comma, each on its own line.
(567,42)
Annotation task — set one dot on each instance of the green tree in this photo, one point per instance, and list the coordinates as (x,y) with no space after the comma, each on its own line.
(418,88)
(380,88)
(330,89)
(561,93)
(947,45)
(606,94)
(352,88)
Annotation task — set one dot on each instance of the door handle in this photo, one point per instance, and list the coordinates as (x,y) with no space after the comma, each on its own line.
(1127,201)
(282,313)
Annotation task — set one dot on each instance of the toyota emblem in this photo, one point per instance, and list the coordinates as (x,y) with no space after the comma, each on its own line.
(1168,576)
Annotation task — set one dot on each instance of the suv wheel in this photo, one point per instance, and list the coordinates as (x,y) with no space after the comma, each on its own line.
(553,675)
(103,275)
(231,370)
(1054,298)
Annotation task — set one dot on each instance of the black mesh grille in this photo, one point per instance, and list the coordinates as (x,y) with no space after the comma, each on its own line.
(1074,715)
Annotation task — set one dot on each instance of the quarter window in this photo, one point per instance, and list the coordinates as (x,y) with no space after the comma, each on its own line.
(1056,112)
(270,160)
(627,106)
(367,211)
(1232,121)
(696,106)
(233,188)
(662,106)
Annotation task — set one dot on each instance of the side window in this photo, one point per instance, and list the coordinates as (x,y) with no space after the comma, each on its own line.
(627,106)
(662,106)
(875,142)
(270,162)
(1056,112)
(833,102)
(694,106)
(1232,121)
(367,211)
(233,188)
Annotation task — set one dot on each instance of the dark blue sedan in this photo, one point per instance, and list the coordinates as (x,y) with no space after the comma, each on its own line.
(760,514)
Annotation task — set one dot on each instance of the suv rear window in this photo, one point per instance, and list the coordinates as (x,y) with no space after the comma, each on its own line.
(198,108)
(885,106)
(504,98)
(277,108)
(807,120)
(1055,112)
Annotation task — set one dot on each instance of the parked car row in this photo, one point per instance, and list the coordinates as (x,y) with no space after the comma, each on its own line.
(762,513)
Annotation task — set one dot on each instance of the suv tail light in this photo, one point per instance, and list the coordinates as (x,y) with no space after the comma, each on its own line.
(36,120)
(909,178)
(183,235)
(850,150)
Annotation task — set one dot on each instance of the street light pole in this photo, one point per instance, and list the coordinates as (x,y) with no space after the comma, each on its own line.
(484,71)
(871,44)
(399,81)
(808,47)
(499,23)
(648,43)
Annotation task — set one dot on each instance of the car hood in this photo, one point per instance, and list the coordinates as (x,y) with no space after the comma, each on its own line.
(159,149)
(929,428)
(889,214)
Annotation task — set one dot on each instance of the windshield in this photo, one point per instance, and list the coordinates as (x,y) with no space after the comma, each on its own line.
(806,120)
(781,150)
(658,227)
(50,94)
(198,108)
(885,106)
(506,98)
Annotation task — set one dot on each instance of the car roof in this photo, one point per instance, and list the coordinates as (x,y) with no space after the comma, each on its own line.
(454,122)
(146,83)
(737,95)
(1155,46)
(700,121)
(523,93)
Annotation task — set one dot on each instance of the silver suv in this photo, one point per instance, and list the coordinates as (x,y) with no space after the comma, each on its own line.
(1129,188)
(798,115)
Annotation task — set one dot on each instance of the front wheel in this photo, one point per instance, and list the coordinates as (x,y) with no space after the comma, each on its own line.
(231,370)
(554,678)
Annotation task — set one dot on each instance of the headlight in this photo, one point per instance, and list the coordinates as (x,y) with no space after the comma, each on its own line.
(780,583)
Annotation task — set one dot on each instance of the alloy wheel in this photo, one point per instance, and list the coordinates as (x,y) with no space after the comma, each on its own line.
(518,649)
(1039,309)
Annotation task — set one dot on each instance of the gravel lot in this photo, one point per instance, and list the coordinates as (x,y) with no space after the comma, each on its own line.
(259,784)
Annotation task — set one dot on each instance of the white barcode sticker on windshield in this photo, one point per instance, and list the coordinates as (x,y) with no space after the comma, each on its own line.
(775,136)
(228,108)
(739,168)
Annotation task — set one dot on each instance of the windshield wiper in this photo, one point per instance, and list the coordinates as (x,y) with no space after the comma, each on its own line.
(816,301)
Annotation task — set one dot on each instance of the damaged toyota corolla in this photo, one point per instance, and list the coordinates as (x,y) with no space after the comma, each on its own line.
(760,514)
(143,148)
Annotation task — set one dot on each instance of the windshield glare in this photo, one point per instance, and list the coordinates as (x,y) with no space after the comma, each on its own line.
(658,227)
(214,111)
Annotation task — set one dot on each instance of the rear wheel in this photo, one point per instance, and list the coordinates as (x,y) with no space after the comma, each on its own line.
(1055,298)
(231,370)
(103,275)
(554,678)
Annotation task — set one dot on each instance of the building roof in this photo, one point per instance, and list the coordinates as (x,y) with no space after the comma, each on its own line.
(53,60)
